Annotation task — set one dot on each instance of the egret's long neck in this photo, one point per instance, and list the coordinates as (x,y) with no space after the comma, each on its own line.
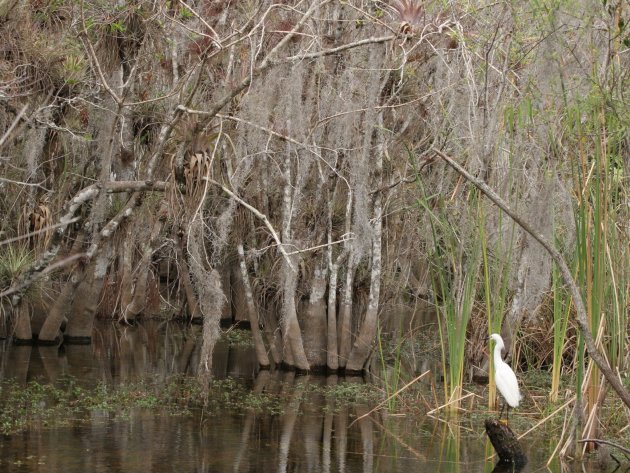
(497,354)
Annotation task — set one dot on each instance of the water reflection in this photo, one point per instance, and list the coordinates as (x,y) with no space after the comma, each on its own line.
(317,431)
(121,354)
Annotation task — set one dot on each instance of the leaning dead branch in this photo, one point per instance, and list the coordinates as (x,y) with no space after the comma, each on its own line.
(258,214)
(41,231)
(417,378)
(16,120)
(581,316)
(45,264)
(626,451)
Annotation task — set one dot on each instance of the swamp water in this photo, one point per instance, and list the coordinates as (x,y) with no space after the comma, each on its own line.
(308,430)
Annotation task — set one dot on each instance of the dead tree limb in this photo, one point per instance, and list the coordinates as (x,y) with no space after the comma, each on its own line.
(43,265)
(16,120)
(581,316)
(624,450)
(258,214)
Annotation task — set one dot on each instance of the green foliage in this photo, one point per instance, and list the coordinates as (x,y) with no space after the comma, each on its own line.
(595,130)
(239,338)
(496,277)
(23,406)
(14,260)
(454,270)
(394,359)
(561,312)
(231,394)
(185,14)
(74,68)
(350,393)
(117,27)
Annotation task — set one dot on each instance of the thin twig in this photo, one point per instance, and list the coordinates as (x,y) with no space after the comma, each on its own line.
(547,418)
(452,401)
(258,214)
(317,247)
(21,183)
(8,241)
(399,439)
(390,397)
(22,286)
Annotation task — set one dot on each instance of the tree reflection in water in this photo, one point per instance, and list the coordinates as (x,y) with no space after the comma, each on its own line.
(317,430)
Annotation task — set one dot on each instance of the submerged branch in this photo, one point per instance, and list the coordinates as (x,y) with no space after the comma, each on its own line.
(581,316)
(625,450)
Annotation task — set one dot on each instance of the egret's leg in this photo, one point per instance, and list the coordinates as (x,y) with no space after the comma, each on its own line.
(502,408)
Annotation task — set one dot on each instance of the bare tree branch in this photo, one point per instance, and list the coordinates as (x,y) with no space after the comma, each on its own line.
(625,450)
(8,241)
(26,283)
(44,264)
(258,214)
(13,125)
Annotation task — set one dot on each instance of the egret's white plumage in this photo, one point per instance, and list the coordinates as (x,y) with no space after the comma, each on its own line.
(504,377)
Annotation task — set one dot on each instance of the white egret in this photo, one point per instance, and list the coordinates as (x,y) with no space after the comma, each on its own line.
(504,377)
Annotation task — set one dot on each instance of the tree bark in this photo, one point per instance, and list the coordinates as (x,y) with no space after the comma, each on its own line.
(259,345)
(505,443)
(22,333)
(345,313)
(367,332)
(332,353)
(184,278)
(293,347)
(365,338)
(139,300)
(87,296)
(125,261)
(314,320)
(292,335)
(50,331)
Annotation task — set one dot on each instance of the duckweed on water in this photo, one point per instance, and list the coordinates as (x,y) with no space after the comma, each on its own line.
(239,338)
(352,393)
(38,405)
(24,406)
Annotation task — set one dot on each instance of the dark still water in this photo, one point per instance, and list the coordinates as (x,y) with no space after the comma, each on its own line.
(311,432)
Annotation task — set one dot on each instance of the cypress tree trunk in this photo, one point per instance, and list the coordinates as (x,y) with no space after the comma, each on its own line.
(345,313)
(365,338)
(294,354)
(314,320)
(139,300)
(81,320)
(367,332)
(22,334)
(51,328)
(259,345)
(293,347)
(184,277)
